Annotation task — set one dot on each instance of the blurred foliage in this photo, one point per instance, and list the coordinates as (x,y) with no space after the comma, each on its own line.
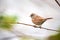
(55,37)
(26,38)
(7,21)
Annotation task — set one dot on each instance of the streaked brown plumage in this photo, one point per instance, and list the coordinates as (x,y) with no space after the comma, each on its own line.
(38,20)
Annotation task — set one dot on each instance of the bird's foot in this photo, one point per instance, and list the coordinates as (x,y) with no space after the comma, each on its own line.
(37,26)
(40,26)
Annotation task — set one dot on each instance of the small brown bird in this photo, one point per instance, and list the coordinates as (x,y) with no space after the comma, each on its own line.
(38,20)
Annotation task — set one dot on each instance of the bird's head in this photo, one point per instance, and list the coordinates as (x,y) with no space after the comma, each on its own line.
(32,15)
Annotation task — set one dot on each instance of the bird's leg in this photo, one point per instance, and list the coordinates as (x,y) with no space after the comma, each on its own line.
(39,26)
(35,26)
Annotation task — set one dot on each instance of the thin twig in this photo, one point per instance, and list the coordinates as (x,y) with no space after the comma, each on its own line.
(50,29)
(38,27)
(25,24)
(57,2)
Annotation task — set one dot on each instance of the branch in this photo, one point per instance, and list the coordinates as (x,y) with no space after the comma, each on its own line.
(57,2)
(38,27)
(25,34)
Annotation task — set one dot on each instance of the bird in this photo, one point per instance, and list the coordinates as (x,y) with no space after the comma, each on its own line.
(38,20)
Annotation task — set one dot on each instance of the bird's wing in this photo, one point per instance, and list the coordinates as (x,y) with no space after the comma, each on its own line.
(38,19)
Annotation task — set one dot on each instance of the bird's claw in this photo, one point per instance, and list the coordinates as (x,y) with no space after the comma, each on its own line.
(35,26)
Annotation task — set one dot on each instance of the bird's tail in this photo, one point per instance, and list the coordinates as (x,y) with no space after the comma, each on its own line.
(48,18)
